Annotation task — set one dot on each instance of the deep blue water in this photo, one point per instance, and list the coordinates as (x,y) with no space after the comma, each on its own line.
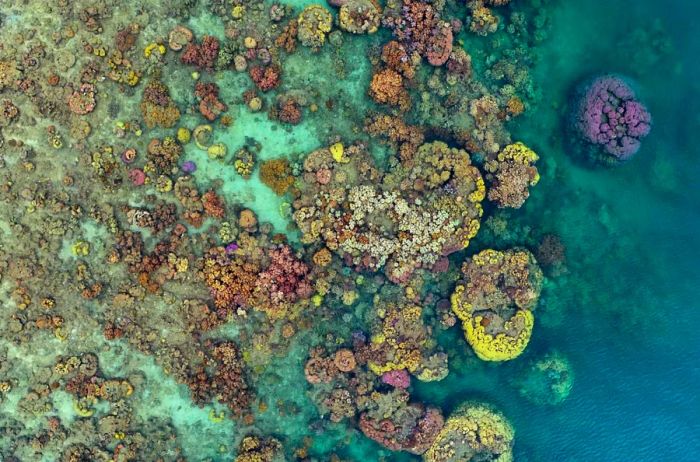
(627,313)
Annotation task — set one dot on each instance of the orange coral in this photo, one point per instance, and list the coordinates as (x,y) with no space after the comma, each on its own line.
(344,360)
(322,257)
(405,138)
(247,219)
(397,58)
(231,281)
(387,88)
(287,40)
(515,106)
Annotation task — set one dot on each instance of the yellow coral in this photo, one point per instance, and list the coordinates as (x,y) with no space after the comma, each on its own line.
(216,417)
(80,249)
(164,184)
(132,78)
(518,152)
(479,193)
(82,408)
(184,135)
(462,309)
(502,347)
(317,299)
(216,151)
(337,151)
(237,11)
(151,47)
(474,428)
(202,134)
(314,23)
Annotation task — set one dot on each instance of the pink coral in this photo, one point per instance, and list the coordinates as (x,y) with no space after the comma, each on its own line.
(440,45)
(397,379)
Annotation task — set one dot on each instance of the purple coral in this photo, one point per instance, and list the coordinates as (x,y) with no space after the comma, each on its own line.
(189,167)
(608,115)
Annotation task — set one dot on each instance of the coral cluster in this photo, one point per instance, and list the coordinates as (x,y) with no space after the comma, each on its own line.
(510,175)
(473,432)
(389,417)
(157,107)
(428,209)
(495,302)
(609,116)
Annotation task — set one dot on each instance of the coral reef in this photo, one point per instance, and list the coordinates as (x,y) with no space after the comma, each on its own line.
(164,300)
(432,208)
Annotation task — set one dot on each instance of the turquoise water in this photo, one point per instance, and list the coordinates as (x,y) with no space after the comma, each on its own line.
(627,313)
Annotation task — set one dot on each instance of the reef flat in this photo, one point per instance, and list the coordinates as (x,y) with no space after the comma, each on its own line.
(356,230)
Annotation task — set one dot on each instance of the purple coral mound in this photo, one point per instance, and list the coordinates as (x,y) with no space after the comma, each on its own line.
(609,115)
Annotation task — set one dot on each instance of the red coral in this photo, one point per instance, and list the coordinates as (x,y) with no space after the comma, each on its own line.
(201,55)
(209,105)
(266,77)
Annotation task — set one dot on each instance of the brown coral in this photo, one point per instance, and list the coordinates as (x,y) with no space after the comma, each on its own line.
(277,175)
